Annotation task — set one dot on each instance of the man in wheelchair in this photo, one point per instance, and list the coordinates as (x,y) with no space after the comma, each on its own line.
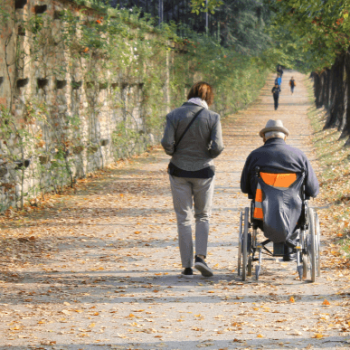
(278,177)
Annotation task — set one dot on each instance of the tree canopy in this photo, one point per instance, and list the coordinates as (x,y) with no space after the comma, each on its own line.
(310,34)
(307,35)
(243,25)
(238,24)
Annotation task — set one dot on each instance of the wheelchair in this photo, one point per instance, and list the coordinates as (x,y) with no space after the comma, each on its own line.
(306,245)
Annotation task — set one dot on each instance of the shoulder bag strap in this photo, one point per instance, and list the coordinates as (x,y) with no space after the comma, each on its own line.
(188,126)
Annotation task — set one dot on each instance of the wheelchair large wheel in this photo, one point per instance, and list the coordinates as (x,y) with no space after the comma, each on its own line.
(311,245)
(245,244)
(239,265)
(305,266)
(318,246)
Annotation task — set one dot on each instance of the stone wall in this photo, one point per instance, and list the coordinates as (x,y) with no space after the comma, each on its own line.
(69,106)
(81,87)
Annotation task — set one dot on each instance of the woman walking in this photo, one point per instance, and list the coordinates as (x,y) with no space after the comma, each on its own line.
(193,137)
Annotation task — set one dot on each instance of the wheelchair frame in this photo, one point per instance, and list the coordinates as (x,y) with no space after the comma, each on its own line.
(307,250)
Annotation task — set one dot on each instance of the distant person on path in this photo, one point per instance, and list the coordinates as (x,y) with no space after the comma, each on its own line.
(276,93)
(279,71)
(278,80)
(292,84)
(193,138)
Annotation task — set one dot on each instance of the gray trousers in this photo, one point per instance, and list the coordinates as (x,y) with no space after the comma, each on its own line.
(185,191)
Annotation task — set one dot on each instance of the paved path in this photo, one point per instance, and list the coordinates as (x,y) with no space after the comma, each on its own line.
(99,269)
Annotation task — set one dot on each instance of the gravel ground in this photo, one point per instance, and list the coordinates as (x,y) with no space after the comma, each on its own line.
(99,268)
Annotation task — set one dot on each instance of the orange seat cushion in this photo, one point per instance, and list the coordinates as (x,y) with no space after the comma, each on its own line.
(279,180)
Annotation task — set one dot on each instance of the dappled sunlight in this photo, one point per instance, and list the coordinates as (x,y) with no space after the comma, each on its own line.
(100,265)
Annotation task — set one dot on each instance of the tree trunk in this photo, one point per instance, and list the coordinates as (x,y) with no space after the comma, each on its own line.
(317,89)
(322,83)
(346,118)
(343,121)
(336,97)
(325,88)
(338,108)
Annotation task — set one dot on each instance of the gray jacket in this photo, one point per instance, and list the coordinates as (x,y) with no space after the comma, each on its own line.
(201,143)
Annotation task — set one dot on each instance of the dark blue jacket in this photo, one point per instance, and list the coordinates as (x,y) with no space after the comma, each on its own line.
(278,81)
(278,157)
(276,91)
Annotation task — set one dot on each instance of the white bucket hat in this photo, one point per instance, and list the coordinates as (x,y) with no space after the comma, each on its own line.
(274,125)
